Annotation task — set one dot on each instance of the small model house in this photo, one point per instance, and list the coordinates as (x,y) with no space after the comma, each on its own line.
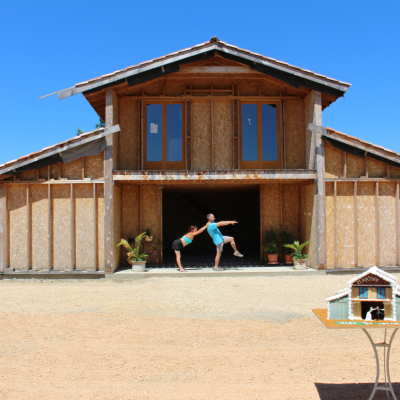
(374,289)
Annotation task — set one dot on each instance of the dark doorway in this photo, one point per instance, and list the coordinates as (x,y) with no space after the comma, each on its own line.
(366,305)
(184,206)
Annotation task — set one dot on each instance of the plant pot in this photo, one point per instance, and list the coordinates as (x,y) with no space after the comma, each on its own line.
(299,264)
(273,257)
(138,266)
(288,258)
(148,238)
(155,252)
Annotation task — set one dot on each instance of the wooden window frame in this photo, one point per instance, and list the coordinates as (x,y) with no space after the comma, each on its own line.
(164,165)
(261,164)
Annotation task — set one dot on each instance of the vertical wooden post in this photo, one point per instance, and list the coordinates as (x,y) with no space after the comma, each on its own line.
(283,133)
(59,170)
(366,166)
(377,240)
(355,226)
(94,228)
(160,211)
(344,164)
(233,131)
(212,133)
(48,172)
(261,223)
(397,225)
(3,229)
(72,228)
(191,132)
(335,222)
(28,230)
(139,127)
(185,137)
(239,129)
(83,168)
(49,229)
(141,136)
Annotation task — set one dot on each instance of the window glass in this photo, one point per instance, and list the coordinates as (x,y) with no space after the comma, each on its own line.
(154,132)
(249,132)
(174,132)
(363,293)
(269,132)
(381,293)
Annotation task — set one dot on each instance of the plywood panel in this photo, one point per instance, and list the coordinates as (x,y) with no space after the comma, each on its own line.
(387,223)
(267,91)
(84,235)
(248,90)
(117,226)
(270,207)
(174,90)
(43,173)
(290,210)
(309,148)
(330,225)
(40,220)
(130,211)
(345,224)
(355,166)
(128,139)
(394,172)
(294,134)
(376,169)
(61,219)
(55,170)
(17,206)
(366,223)
(151,212)
(333,161)
(94,166)
(308,222)
(222,134)
(72,170)
(28,175)
(201,135)
(100,226)
(156,90)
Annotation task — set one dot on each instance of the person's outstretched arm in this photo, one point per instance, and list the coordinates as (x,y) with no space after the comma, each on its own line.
(223,223)
(201,229)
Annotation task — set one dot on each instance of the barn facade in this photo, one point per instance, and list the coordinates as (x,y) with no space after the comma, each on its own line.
(212,128)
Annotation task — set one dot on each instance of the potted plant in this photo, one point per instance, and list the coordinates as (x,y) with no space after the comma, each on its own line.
(135,258)
(271,245)
(155,250)
(288,238)
(148,237)
(299,259)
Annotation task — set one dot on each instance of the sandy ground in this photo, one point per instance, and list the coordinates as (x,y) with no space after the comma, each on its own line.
(180,338)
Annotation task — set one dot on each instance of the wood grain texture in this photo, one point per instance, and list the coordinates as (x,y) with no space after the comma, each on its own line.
(84,235)
(43,173)
(28,175)
(61,218)
(330,223)
(222,134)
(72,170)
(394,172)
(270,207)
(17,206)
(355,166)
(248,90)
(130,212)
(366,223)
(94,166)
(290,193)
(387,223)
(201,135)
(174,89)
(40,221)
(376,169)
(156,90)
(333,161)
(3,229)
(128,140)
(100,226)
(309,148)
(294,134)
(345,224)
(308,222)
(54,171)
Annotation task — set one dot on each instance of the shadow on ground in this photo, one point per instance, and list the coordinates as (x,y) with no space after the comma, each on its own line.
(353,391)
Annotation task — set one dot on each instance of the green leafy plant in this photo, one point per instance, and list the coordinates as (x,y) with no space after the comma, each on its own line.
(134,253)
(146,231)
(271,248)
(100,124)
(270,236)
(297,247)
(287,238)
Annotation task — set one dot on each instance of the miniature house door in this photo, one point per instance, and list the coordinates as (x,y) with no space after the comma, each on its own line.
(164,144)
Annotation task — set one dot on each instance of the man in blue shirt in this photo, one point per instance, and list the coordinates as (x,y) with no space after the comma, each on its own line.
(220,240)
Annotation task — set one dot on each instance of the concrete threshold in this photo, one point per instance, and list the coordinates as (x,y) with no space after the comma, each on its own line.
(356,271)
(126,273)
(31,274)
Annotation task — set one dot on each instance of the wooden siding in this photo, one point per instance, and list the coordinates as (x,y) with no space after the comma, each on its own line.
(294,134)
(339,308)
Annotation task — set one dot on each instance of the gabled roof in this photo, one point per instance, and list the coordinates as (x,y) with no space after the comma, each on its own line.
(170,63)
(375,271)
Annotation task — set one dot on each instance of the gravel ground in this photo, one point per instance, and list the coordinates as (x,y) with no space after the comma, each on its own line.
(176,338)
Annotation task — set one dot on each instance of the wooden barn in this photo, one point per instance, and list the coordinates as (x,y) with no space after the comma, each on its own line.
(211,128)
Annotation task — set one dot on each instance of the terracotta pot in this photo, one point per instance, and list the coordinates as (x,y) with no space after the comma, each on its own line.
(299,264)
(273,257)
(288,258)
(148,238)
(155,252)
(138,266)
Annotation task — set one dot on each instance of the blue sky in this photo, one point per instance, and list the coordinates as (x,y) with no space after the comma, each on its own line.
(51,45)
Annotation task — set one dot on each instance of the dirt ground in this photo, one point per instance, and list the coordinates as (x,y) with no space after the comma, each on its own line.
(180,338)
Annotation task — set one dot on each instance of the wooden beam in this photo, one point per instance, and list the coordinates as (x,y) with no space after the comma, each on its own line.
(397,225)
(3,229)
(49,229)
(160,203)
(28,230)
(233,132)
(216,70)
(212,134)
(72,264)
(142,133)
(95,233)
(355,227)
(210,97)
(335,223)
(366,166)
(139,121)
(283,133)
(83,168)
(344,164)
(377,240)
(261,224)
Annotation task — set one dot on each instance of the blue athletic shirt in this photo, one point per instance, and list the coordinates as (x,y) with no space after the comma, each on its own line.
(187,240)
(215,234)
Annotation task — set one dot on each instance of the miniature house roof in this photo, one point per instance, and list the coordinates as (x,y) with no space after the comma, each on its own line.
(341,293)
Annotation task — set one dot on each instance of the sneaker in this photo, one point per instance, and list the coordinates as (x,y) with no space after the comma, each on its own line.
(237,254)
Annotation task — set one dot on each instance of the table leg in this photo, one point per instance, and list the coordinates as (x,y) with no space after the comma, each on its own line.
(387,386)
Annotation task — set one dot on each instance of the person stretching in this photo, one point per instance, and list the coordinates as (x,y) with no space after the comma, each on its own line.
(220,240)
(180,243)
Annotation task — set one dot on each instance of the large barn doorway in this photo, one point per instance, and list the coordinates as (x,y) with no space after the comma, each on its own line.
(184,206)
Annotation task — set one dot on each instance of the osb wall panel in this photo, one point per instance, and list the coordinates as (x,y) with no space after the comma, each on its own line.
(55,170)
(290,208)
(28,175)
(174,90)
(270,206)
(387,223)
(128,139)
(376,169)
(308,222)
(333,161)
(100,226)
(267,91)
(345,224)
(308,117)
(94,166)
(43,173)
(61,209)
(84,229)
(130,211)
(156,90)
(117,226)
(294,134)
(16,198)
(151,212)
(355,166)
(366,223)
(38,195)
(201,135)
(330,225)
(248,90)
(72,170)
(394,172)
(222,134)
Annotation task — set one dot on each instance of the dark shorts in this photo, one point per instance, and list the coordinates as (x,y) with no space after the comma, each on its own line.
(177,245)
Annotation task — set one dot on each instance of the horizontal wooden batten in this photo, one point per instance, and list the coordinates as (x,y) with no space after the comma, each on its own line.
(229,97)
(362,179)
(51,182)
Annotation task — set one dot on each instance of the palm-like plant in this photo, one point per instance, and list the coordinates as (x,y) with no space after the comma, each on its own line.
(297,247)
(134,253)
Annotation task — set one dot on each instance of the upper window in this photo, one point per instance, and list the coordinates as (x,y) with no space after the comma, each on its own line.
(363,292)
(381,293)
(164,144)
(259,136)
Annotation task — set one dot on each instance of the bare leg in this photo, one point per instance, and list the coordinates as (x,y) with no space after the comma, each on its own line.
(231,240)
(217,258)
(178,261)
